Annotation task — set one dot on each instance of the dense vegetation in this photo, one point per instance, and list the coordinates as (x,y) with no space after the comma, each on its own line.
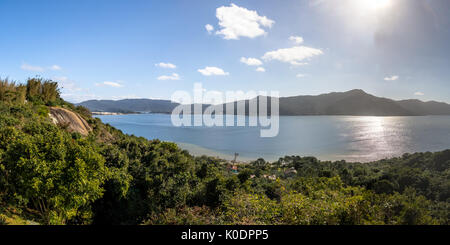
(51,176)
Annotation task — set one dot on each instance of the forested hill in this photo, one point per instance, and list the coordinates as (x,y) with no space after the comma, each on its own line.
(354,102)
(54,172)
(130,106)
(359,103)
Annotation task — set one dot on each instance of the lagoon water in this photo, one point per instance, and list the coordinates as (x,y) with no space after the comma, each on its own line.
(351,138)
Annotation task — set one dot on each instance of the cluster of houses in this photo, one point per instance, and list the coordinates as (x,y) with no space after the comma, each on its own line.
(233,167)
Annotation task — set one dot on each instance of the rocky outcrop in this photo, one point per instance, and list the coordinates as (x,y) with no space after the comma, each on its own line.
(70,120)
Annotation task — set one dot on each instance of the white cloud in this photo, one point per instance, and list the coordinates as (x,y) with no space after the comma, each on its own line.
(61,79)
(419,94)
(27,67)
(213,71)
(295,63)
(251,61)
(79,97)
(66,84)
(55,68)
(391,78)
(300,75)
(316,2)
(296,39)
(122,97)
(174,76)
(261,69)
(111,84)
(238,22)
(293,55)
(71,92)
(166,65)
(209,28)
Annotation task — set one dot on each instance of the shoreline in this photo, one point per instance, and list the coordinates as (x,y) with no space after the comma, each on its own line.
(107,113)
(252,155)
(198,151)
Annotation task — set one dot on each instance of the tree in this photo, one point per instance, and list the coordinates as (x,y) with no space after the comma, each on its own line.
(50,172)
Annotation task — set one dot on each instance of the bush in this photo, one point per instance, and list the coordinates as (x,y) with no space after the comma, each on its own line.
(3,220)
(50,172)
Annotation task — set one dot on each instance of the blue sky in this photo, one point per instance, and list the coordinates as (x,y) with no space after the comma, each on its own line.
(109,49)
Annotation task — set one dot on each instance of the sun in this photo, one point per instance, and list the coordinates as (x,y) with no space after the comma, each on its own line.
(373,5)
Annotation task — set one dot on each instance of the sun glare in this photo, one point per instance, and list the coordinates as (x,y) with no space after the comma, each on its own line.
(373,5)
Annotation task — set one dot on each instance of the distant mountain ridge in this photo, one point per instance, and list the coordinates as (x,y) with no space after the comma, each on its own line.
(359,103)
(354,102)
(130,106)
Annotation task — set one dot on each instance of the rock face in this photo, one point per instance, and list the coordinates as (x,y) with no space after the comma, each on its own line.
(72,121)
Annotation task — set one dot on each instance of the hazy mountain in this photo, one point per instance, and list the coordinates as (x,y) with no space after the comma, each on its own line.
(130,105)
(426,108)
(354,102)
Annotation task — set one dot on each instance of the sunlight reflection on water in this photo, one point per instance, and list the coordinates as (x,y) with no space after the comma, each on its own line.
(371,138)
(350,138)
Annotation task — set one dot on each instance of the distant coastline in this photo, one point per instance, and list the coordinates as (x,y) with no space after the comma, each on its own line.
(106,113)
(355,102)
(109,113)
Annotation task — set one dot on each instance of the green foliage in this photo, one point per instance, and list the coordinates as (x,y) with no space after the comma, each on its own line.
(108,177)
(46,170)
(36,90)
(250,209)
(42,110)
(321,201)
(12,93)
(3,220)
(184,216)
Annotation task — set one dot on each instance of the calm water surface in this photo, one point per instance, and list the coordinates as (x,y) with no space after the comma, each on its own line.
(351,138)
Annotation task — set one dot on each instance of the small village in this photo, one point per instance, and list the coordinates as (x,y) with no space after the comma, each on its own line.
(234,165)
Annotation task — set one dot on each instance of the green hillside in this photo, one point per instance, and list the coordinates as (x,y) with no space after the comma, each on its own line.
(52,175)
